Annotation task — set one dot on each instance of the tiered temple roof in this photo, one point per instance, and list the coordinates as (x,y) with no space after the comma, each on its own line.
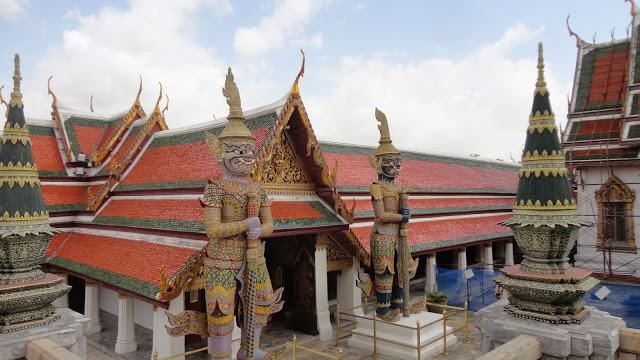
(136,209)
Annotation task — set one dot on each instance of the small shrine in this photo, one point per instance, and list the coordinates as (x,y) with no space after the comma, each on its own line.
(545,291)
(545,224)
(26,292)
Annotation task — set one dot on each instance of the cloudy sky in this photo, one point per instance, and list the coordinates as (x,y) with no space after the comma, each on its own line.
(452,77)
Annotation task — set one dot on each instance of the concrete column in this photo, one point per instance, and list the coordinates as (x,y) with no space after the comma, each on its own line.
(488,257)
(508,256)
(92,308)
(63,301)
(462,258)
(126,340)
(322,296)
(164,344)
(430,270)
(349,295)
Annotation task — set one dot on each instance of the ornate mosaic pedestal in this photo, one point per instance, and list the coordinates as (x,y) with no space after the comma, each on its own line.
(26,305)
(553,298)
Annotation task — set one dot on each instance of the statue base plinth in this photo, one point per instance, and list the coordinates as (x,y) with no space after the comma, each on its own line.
(402,335)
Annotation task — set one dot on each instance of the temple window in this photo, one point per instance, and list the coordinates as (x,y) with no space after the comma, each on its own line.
(615,216)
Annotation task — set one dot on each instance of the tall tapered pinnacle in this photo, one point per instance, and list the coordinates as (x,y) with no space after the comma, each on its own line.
(16,95)
(541,84)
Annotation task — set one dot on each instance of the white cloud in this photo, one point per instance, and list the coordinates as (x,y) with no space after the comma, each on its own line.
(274,31)
(106,51)
(478,104)
(10,9)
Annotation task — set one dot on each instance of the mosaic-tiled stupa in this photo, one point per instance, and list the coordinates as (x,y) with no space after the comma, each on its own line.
(26,292)
(545,224)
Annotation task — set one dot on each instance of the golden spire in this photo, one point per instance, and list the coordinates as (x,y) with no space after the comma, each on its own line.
(541,84)
(235,130)
(16,95)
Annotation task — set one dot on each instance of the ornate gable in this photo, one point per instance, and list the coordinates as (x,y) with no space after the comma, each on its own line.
(285,173)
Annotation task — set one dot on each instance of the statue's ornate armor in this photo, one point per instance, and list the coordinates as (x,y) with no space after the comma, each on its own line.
(225,213)
(384,234)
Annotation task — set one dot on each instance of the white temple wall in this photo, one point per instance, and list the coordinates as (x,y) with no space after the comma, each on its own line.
(108,300)
(142,311)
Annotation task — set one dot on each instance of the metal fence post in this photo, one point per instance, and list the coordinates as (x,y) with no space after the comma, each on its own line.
(337,324)
(444,332)
(294,346)
(466,323)
(418,335)
(375,336)
(339,353)
(155,354)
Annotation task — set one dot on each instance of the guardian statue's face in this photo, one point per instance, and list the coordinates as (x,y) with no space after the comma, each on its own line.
(391,165)
(239,157)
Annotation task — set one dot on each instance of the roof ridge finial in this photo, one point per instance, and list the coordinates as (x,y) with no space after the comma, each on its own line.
(571,33)
(541,84)
(633,6)
(157,108)
(166,107)
(296,89)
(16,95)
(91,103)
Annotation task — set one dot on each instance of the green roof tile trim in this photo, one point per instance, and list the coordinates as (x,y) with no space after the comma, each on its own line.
(122,281)
(164,224)
(66,207)
(634,132)
(445,210)
(366,189)
(254,123)
(328,219)
(634,102)
(362,150)
(51,173)
(636,70)
(41,130)
(630,155)
(459,241)
(187,184)
(586,75)
(78,121)
(600,136)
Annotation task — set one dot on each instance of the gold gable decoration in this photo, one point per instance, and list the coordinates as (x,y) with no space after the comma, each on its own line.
(337,257)
(285,173)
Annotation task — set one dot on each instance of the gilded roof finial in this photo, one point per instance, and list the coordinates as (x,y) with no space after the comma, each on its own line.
(4,102)
(54,103)
(296,89)
(137,102)
(541,84)
(91,103)
(571,33)
(16,95)
(166,107)
(633,6)
(157,108)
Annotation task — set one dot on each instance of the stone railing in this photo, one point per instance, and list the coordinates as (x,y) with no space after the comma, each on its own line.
(629,344)
(524,347)
(45,348)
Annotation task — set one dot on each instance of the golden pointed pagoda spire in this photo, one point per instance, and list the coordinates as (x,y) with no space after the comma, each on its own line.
(16,95)
(541,84)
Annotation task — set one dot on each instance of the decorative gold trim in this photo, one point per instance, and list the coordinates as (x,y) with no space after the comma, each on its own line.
(135,112)
(16,95)
(183,280)
(541,84)
(286,173)
(337,257)
(322,240)
(555,172)
(89,284)
(55,116)
(615,190)
(123,296)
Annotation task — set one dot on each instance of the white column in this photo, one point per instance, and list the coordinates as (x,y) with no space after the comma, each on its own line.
(462,258)
(91,307)
(430,270)
(322,295)
(349,295)
(164,344)
(488,257)
(63,301)
(508,256)
(126,340)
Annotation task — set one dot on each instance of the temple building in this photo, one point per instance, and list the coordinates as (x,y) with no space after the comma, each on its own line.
(124,191)
(602,145)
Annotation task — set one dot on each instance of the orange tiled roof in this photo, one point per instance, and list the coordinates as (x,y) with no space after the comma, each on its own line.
(415,204)
(426,235)
(46,153)
(609,78)
(132,265)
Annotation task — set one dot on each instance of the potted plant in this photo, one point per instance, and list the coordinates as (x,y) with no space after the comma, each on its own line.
(436,297)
